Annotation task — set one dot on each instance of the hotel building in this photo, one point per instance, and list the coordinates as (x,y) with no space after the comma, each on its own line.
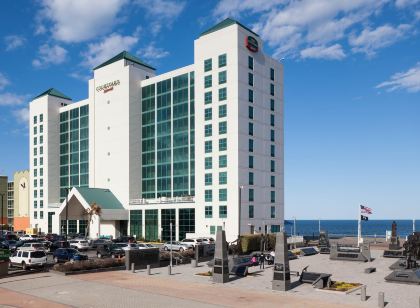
(200,147)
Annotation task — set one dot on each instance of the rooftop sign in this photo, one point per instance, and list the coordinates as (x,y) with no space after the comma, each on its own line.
(107,86)
(251,43)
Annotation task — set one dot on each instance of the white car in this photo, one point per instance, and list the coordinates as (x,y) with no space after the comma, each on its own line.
(178,246)
(192,242)
(31,247)
(79,244)
(28,259)
(28,237)
(128,246)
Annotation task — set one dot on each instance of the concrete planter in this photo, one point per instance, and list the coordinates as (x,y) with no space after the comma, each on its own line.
(4,268)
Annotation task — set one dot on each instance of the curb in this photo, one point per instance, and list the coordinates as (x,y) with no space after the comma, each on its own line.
(96,270)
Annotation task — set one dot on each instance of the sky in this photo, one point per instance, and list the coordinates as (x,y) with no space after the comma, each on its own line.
(351,83)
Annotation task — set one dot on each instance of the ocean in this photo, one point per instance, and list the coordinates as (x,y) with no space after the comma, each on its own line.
(349,227)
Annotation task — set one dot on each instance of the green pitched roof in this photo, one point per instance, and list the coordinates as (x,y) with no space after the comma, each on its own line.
(226,23)
(127,56)
(53,92)
(102,197)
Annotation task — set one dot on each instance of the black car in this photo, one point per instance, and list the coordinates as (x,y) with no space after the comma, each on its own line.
(8,244)
(59,244)
(112,250)
(124,239)
(100,242)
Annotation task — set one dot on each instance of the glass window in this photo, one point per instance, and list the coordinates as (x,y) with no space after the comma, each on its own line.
(41,118)
(41,204)
(251,145)
(35,215)
(222,60)
(250,112)
(272,104)
(212,229)
(222,161)
(208,81)
(222,211)
(251,79)
(208,211)
(272,89)
(41,215)
(272,74)
(208,97)
(41,171)
(35,119)
(35,194)
(208,179)
(223,178)
(251,211)
(35,172)
(208,114)
(41,129)
(223,194)
(250,96)
(251,194)
(273,150)
(35,204)
(208,146)
(272,119)
(272,135)
(223,144)
(222,77)
(41,139)
(35,161)
(251,129)
(251,161)
(41,182)
(41,150)
(35,151)
(208,162)
(222,111)
(208,195)
(273,196)
(207,65)
(251,178)
(273,181)
(35,183)
(222,128)
(208,130)
(250,63)
(35,140)
(273,212)
(222,94)
(41,161)
(35,130)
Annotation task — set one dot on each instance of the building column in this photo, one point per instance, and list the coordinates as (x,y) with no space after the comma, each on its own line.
(176,224)
(159,224)
(143,223)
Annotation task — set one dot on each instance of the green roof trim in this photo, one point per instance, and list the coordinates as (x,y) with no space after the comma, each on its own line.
(127,56)
(102,197)
(53,92)
(226,23)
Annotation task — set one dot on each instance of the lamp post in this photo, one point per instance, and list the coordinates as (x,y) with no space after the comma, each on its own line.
(2,196)
(170,238)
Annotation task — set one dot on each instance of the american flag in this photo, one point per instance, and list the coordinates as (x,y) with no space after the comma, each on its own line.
(365,209)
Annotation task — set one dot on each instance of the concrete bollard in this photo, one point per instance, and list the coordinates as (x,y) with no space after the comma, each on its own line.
(363,294)
(133,268)
(381,300)
(169,270)
(194,263)
(148,269)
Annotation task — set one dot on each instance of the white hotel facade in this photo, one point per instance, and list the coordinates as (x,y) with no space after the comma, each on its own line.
(200,147)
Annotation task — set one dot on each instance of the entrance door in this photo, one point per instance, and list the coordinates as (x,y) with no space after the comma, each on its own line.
(123,227)
(151,225)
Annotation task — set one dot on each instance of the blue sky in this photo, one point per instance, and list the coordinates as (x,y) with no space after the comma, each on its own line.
(352,83)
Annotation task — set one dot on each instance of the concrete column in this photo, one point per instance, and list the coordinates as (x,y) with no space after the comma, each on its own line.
(381,300)
(363,294)
(220,266)
(148,269)
(281,276)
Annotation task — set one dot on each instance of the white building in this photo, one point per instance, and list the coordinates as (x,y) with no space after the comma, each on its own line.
(188,147)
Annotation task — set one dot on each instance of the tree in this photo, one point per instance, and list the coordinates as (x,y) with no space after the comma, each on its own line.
(94,209)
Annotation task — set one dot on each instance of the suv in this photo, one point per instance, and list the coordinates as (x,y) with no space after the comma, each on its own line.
(28,259)
(28,237)
(111,250)
(31,246)
(128,246)
(99,242)
(192,242)
(79,244)
(68,254)
(59,244)
(124,239)
(179,246)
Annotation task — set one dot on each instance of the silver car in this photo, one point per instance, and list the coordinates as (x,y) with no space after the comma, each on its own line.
(177,246)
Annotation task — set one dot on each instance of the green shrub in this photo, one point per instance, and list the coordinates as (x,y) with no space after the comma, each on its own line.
(252,242)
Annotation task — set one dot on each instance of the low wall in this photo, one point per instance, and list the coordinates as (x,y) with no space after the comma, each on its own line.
(141,258)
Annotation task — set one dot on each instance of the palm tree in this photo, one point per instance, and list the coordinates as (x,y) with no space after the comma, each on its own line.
(94,209)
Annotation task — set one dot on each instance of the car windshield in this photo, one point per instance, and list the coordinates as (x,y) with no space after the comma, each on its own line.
(83,242)
(70,250)
(121,245)
(12,242)
(37,254)
(149,245)
(34,236)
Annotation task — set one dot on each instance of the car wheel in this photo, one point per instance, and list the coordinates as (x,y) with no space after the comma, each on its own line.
(24,267)
(99,255)
(55,260)
(10,265)
(71,260)
(181,249)
(166,248)
(113,256)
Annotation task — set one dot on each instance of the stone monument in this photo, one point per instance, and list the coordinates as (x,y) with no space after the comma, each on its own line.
(221,267)
(395,241)
(324,243)
(281,277)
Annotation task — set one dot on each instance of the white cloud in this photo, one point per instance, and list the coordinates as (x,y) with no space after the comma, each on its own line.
(369,40)
(151,52)
(334,52)
(161,12)
(14,41)
(21,115)
(404,3)
(417,15)
(106,49)
(3,81)
(78,20)
(409,80)
(233,8)
(12,99)
(50,54)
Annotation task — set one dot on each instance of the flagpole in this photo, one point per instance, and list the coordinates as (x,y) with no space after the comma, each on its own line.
(359,227)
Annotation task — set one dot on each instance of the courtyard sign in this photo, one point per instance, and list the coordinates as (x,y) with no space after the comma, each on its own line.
(251,43)
(107,86)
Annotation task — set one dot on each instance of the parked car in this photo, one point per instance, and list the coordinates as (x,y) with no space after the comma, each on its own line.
(8,244)
(110,250)
(207,240)
(99,242)
(28,259)
(192,241)
(59,244)
(28,237)
(68,254)
(128,246)
(31,246)
(52,237)
(178,246)
(124,239)
(79,244)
